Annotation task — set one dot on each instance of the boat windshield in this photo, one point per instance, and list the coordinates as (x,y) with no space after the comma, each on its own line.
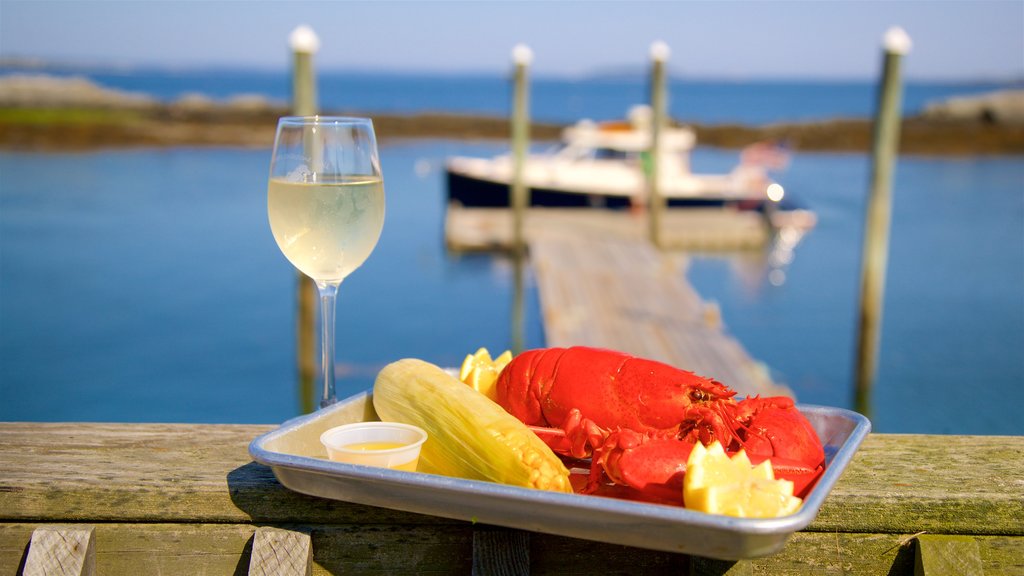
(610,154)
(582,153)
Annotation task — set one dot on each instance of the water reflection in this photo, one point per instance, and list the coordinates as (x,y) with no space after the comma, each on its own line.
(512,269)
(755,270)
(518,303)
(781,252)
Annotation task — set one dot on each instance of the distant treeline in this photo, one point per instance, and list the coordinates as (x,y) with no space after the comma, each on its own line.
(50,114)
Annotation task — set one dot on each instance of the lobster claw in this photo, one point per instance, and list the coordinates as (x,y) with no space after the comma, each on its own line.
(655,466)
(774,428)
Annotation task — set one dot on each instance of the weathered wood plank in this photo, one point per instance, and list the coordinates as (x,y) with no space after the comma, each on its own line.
(198,549)
(277,552)
(422,549)
(805,553)
(863,555)
(1001,555)
(61,550)
(899,484)
(501,552)
(173,548)
(822,553)
(153,473)
(941,554)
(939,484)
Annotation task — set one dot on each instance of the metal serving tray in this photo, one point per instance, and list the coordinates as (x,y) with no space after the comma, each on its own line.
(300,463)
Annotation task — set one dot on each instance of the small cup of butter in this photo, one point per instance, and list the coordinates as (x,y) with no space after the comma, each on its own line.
(384,444)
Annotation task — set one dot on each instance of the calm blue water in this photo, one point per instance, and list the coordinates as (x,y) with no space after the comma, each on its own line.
(145,286)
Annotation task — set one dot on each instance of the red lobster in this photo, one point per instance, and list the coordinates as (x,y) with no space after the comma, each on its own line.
(638,419)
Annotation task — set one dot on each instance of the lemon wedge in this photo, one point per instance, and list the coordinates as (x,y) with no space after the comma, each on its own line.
(718,484)
(480,372)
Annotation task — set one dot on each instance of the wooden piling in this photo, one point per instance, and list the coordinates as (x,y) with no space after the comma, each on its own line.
(658,97)
(304,43)
(878,216)
(520,197)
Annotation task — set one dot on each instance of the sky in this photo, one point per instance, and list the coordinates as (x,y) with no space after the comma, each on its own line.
(952,39)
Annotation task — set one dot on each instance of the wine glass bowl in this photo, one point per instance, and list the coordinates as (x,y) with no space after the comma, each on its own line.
(325,203)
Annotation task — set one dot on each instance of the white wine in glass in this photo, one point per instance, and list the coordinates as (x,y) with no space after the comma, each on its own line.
(325,201)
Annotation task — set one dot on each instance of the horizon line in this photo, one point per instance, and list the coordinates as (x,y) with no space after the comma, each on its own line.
(30,64)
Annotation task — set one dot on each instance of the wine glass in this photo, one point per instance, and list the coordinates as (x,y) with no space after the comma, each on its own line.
(325,201)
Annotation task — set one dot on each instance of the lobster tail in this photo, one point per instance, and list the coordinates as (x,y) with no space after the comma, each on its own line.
(517,390)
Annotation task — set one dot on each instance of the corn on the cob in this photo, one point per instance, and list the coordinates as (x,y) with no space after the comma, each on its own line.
(468,435)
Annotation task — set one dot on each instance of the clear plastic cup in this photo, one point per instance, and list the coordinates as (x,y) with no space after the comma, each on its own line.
(384,444)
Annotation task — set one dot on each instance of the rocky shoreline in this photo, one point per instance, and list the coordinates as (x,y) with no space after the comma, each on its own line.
(42,113)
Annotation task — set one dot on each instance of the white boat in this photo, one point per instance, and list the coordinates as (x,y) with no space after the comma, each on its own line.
(603,165)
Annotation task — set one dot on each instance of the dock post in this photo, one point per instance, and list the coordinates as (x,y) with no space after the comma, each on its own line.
(304,43)
(878,214)
(521,56)
(658,96)
(520,193)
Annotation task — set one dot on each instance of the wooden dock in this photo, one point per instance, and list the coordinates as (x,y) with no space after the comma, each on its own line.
(692,229)
(129,499)
(602,284)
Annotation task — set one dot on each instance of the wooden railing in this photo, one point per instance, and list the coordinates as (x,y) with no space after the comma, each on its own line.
(188,499)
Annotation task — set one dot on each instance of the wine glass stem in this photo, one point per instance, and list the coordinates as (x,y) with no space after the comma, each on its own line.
(328,296)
